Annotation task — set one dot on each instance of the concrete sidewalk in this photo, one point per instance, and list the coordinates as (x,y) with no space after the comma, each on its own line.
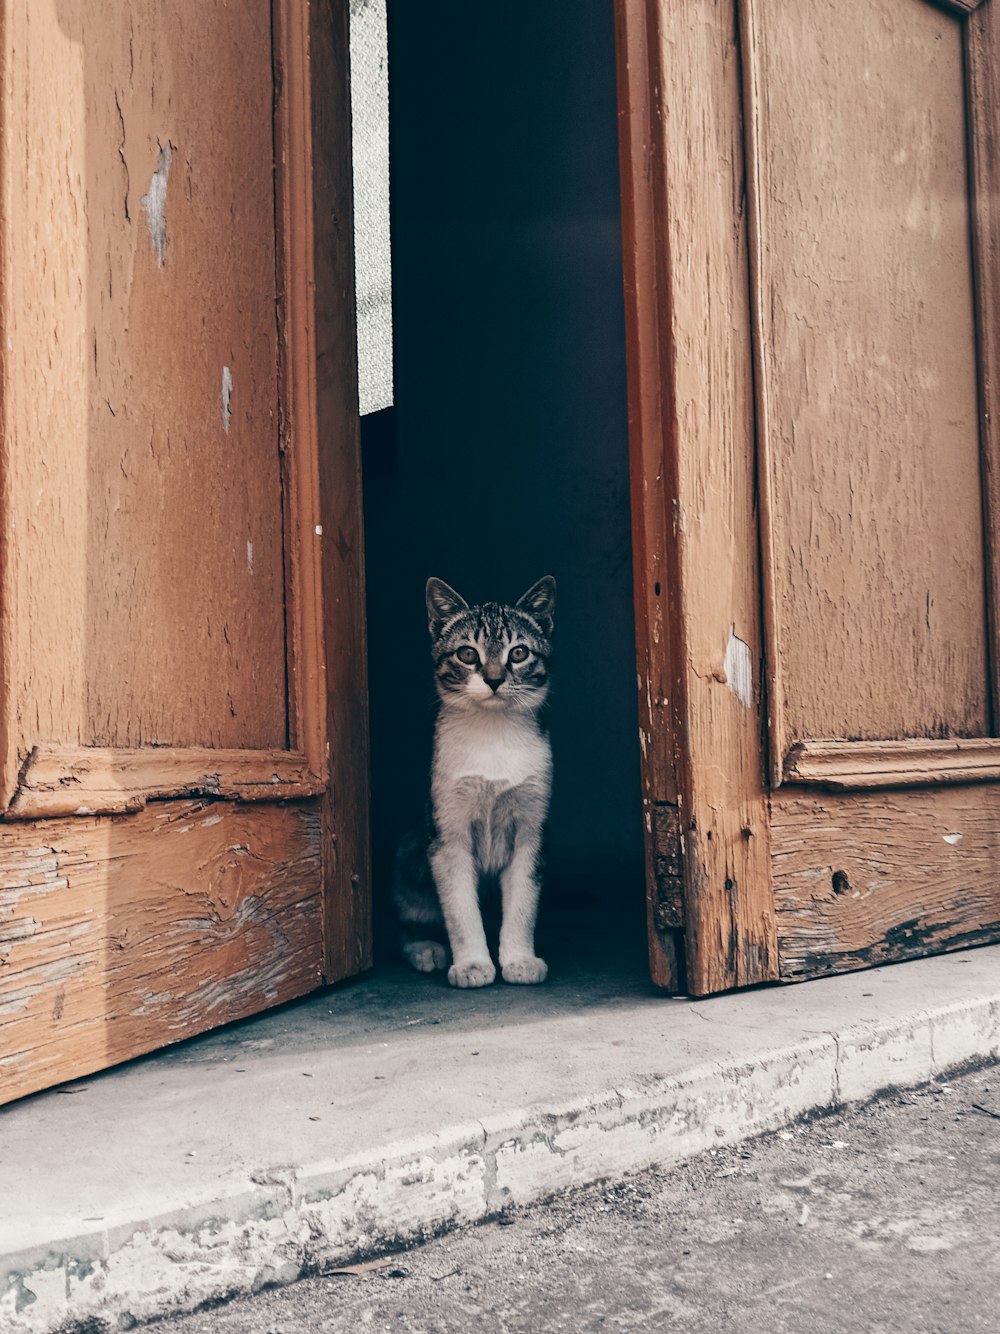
(393,1108)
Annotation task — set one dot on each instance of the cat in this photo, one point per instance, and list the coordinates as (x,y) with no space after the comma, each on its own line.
(491,778)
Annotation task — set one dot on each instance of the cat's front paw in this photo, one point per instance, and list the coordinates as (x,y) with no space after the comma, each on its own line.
(475,973)
(526,971)
(426,956)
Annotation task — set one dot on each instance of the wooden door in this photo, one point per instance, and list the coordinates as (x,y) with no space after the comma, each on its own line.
(813,276)
(182,756)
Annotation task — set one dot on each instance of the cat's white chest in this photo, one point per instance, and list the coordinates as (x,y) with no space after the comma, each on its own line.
(500,750)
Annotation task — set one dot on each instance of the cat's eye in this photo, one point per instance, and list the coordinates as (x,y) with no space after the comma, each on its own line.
(517,654)
(468,655)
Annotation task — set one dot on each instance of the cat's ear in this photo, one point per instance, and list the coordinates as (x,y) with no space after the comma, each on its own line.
(442,603)
(540,602)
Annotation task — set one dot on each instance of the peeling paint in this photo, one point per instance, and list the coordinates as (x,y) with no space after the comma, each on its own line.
(952,838)
(227,393)
(250,556)
(738,667)
(319,530)
(153,1001)
(154,203)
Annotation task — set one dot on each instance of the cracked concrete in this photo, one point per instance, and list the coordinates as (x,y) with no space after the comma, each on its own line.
(397,1108)
(882,1218)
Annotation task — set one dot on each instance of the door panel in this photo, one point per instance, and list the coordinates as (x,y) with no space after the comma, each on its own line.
(813,189)
(146,465)
(868,413)
(181,561)
(123,933)
(875,436)
(866,878)
(161,456)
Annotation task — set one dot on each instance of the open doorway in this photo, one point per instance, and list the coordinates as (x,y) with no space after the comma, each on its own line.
(505,456)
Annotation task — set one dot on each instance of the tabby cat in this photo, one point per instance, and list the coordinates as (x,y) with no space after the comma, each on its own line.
(490,783)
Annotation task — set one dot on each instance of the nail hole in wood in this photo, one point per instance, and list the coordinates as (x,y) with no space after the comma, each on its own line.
(656,588)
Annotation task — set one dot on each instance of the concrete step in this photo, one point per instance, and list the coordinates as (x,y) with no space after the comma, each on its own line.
(375,1114)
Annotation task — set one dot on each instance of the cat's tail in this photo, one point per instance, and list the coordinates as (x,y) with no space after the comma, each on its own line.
(422,933)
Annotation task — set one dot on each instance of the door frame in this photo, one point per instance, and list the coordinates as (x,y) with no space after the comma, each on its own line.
(312,46)
(691,428)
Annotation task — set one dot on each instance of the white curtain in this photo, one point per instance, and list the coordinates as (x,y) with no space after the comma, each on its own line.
(370,144)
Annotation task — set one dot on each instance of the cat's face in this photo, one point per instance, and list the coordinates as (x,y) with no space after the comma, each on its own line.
(493,656)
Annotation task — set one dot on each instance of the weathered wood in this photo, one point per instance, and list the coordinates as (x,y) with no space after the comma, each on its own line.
(868,764)
(652,483)
(861,880)
(121,933)
(668,870)
(142,569)
(961,7)
(983,75)
(730,929)
(867,395)
(118,934)
(693,343)
(346,841)
(753,153)
(77,780)
(297,361)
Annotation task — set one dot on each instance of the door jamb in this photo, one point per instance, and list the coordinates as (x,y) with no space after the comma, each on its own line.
(312,76)
(691,419)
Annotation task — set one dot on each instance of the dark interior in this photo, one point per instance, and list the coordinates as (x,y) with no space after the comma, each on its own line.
(506,454)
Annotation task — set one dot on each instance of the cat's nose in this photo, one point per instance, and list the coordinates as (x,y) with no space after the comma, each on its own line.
(494,682)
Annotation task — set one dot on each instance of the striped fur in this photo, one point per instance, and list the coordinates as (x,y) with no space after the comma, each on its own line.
(490,785)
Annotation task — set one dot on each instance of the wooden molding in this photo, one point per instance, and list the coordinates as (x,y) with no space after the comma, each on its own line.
(982,52)
(323,69)
(857,765)
(297,375)
(756,225)
(82,780)
(960,7)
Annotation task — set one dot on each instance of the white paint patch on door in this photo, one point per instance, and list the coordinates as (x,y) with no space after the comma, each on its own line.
(227,394)
(154,204)
(952,838)
(738,666)
(250,557)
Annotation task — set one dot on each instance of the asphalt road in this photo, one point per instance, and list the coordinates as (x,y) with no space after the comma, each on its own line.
(884,1220)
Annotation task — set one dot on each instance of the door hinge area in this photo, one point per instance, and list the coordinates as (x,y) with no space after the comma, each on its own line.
(668,868)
